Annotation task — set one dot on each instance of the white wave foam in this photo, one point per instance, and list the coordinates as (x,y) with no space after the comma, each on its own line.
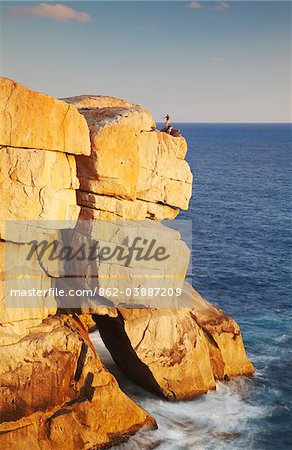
(220,419)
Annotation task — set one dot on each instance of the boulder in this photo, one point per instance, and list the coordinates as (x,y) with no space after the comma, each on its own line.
(163,350)
(130,267)
(55,393)
(33,120)
(113,166)
(19,314)
(130,161)
(226,348)
(178,353)
(37,185)
(53,387)
(164,176)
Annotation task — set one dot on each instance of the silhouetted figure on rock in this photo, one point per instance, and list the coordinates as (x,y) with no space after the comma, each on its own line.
(169,129)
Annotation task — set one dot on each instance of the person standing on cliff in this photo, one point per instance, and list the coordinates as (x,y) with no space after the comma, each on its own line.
(168,128)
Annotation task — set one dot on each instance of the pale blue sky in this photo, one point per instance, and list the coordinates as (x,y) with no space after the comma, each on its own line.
(205,62)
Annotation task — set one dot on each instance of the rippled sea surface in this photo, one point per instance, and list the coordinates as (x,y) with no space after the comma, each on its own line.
(241,247)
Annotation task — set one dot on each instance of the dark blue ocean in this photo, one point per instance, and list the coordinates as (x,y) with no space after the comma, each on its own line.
(241,261)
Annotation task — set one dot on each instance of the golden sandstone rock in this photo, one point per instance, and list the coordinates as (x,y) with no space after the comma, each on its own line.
(164,175)
(130,162)
(37,185)
(178,353)
(163,350)
(54,391)
(56,394)
(113,166)
(114,126)
(16,316)
(120,277)
(227,353)
(33,120)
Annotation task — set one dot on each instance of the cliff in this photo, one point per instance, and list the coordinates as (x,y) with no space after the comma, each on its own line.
(133,172)
(54,391)
(178,353)
(98,165)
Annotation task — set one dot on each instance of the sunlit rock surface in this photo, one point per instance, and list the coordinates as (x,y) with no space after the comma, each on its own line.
(54,391)
(17,318)
(178,353)
(30,119)
(120,277)
(130,162)
(56,394)
(37,185)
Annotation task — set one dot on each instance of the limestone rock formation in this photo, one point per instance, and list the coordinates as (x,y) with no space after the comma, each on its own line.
(164,175)
(33,120)
(113,166)
(37,185)
(178,353)
(55,393)
(16,316)
(120,276)
(227,353)
(134,172)
(163,350)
